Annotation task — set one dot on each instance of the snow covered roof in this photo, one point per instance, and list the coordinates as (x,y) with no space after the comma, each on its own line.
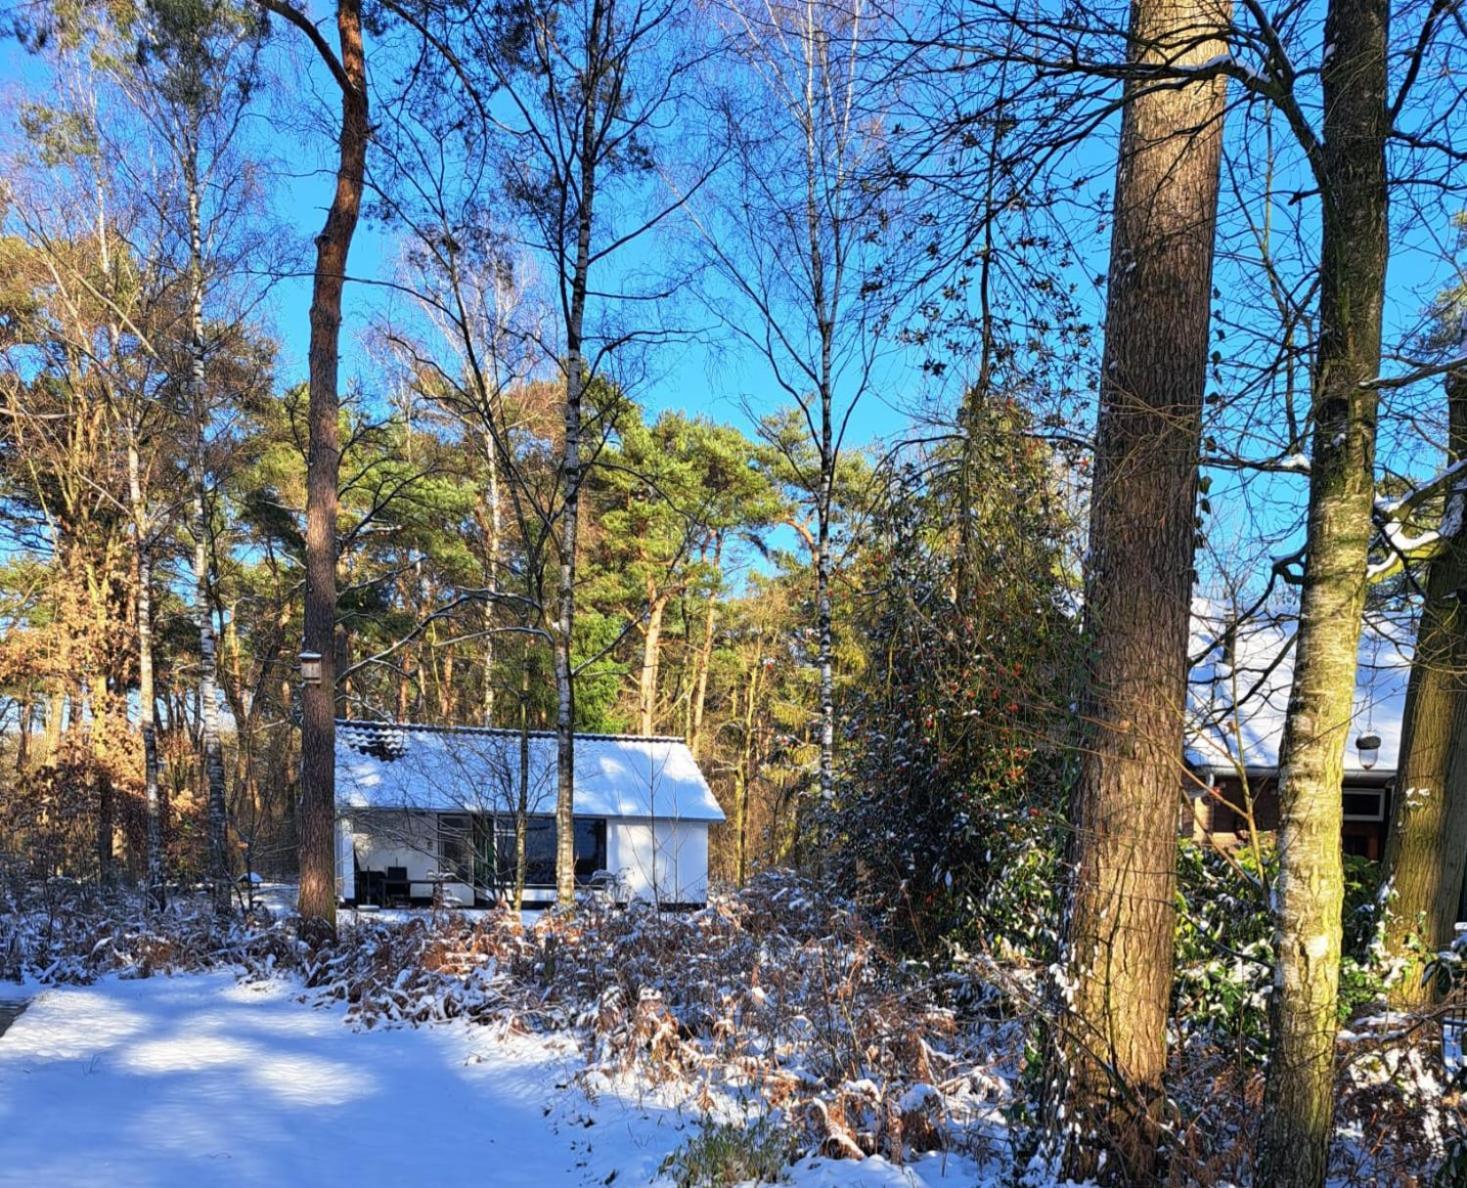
(385,765)
(1247,700)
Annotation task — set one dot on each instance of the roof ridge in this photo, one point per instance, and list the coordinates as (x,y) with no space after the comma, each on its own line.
(508,731)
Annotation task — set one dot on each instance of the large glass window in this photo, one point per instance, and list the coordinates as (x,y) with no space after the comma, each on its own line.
(456,847)
(590,849)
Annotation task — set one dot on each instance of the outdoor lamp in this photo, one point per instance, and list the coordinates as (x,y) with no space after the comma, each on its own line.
(310,669)
(1369,747)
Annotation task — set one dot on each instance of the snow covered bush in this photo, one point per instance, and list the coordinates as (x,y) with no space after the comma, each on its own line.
(783,1003)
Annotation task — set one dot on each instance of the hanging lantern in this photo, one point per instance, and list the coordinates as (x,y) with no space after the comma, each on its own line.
(1369,747)
(310,669)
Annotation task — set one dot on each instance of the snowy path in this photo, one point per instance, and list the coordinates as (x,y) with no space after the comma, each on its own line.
(197,1081)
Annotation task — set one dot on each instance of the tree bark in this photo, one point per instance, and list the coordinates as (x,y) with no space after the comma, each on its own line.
(704,659)
(565,706)
(1426,850)
(651,661)
(491,558)
(23,740)
(1298,1100)
(208,687)
(1110,1063)
(745,776)
(317,904)
(147,696)
(522,800)
(572,472)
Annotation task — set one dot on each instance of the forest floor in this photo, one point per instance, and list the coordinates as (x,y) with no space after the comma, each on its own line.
(201,1079)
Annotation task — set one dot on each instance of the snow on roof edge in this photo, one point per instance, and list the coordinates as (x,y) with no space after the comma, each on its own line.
(408,766)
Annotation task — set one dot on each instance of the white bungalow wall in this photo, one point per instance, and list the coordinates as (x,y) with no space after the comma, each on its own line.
(660,861)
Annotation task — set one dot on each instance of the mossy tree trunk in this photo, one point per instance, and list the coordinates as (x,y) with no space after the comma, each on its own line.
(1427,847)
(1298,1102)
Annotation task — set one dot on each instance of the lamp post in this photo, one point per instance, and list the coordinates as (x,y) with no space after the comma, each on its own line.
(1369,747)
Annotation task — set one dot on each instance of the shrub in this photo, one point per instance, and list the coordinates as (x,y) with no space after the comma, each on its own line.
(1224,956)
(724,1154)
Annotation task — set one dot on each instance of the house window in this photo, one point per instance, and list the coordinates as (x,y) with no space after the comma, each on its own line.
(455,846)
(1364,804)
(590,849)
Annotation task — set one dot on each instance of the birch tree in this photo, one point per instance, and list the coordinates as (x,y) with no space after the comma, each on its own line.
(580,92)
(191,77)
(801,240)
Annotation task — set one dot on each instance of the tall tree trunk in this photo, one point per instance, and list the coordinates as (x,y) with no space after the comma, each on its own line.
(208,687)
(704,659)
(1118,929)
(147,697)
(745,776)
(572,471)
(825,659)
(491,558)
(93,715)
(651,661)
(23,741)
(317,903)
(1421,877)
(210,747)
(522,800)
(1299,1100)
(565,707)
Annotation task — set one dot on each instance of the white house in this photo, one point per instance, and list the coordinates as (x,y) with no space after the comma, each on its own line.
(423,810)
(1238,695)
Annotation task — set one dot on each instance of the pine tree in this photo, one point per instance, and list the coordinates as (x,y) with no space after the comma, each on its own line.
(1119,925)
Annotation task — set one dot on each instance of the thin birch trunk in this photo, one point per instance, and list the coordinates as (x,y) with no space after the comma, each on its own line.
(211,750)
(496,526)
(147,697)
(522,802)
(572,472)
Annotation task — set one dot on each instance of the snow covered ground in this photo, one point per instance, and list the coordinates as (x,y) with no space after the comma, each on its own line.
(200,1080)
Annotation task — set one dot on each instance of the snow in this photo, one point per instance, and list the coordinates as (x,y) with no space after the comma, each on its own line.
(386,766)
(199,1080)
(1249,698)
(929,1171)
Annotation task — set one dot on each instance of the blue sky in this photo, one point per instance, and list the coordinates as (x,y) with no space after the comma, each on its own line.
(713,373)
